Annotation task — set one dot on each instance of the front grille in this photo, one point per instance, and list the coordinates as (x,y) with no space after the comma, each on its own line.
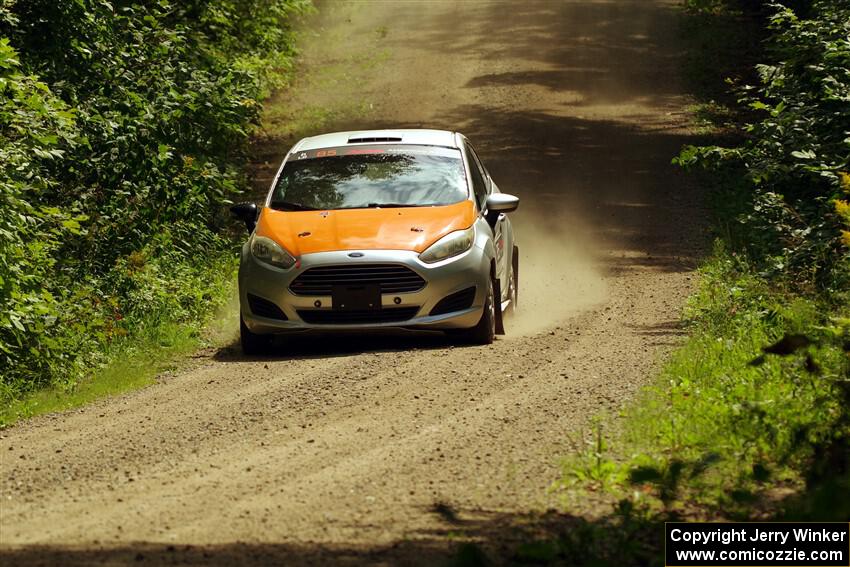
(330,317)
(391,277)
(265,308)
(457,301)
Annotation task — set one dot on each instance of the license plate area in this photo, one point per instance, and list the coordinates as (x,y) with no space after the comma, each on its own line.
(366,297)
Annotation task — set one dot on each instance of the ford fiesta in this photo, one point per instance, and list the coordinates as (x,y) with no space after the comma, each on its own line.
(378,229)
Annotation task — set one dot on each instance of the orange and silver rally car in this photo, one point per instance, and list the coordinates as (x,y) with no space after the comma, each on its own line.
(378,229)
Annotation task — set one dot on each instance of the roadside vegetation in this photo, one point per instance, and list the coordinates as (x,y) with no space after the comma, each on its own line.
(123,130)
(749,419)
(752,412)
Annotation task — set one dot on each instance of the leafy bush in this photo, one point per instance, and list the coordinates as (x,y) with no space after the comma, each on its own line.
(791,162)
(756,399)
(738,7)
(122,137)
(753,405)
(34,125)
(738,419)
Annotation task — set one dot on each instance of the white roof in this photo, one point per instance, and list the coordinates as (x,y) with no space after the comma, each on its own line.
(420,137)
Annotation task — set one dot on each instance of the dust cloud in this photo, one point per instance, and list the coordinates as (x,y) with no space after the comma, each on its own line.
(557,274)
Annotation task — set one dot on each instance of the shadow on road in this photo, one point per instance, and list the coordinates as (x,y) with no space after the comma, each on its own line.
(330,345)
(465,539)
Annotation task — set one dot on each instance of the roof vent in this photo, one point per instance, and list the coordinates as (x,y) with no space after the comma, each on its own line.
(374,139)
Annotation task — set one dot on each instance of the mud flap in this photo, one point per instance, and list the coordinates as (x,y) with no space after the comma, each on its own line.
(515,260)
(497,296)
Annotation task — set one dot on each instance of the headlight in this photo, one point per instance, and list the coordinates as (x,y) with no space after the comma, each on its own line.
(452,244)
(268,251)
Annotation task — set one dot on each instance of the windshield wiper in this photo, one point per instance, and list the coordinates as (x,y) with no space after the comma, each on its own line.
(386,206)
(380,206)
(287,206)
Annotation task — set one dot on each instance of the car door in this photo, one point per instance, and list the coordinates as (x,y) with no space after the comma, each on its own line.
(501,228)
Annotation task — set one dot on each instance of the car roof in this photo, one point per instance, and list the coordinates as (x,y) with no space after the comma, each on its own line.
(418,137)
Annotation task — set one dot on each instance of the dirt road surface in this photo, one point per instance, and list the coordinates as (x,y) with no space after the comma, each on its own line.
(388,449)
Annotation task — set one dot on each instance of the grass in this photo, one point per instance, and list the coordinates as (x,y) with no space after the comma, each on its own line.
(745,413)
(739,423)
(129,368)
(323,96)
(134,362)
(723,49)
(710,117)
(309,119)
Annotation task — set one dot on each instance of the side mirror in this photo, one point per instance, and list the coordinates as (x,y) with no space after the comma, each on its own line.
(247,213)
(502,203)
(499,203)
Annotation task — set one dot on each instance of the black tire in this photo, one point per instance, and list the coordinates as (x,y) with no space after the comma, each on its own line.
(484,333)
(252,343)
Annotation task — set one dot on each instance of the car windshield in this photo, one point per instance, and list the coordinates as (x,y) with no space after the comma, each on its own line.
(370,177)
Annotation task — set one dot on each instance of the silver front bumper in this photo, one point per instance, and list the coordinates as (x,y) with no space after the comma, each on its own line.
(472,268)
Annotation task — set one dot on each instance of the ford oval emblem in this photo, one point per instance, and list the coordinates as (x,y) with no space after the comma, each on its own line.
(356,255)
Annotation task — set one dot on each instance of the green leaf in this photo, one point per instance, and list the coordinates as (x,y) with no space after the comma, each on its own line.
(72,226)
(806,154)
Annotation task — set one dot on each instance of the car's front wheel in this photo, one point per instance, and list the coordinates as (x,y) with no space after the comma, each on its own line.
(252,343)
(485,331)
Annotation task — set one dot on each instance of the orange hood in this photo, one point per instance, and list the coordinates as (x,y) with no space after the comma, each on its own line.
(413,228)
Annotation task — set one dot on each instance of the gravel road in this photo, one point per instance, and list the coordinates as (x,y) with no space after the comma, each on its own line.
(382,449)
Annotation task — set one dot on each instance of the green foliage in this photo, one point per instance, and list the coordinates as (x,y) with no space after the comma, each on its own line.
(592,467)
(790,163)
(739,7)
(36,128)
(248,33)
(741,418)
(708,6)
(122,139)
(158,340)
(780,195)
(741,409)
